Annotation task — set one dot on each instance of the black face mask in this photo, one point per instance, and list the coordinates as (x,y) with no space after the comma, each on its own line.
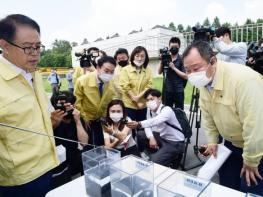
(123,63)
(174,50)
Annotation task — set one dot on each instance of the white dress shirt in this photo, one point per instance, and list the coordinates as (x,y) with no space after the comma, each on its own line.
(26,75)
(156,123)
(235,52)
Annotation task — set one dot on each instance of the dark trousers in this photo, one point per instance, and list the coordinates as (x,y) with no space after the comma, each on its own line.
(143,141)
(168,150)
(229,173)
(71,90)
(174,99)
(36,188)
(60,175)
(136,115)
(133,150)
(95,133)
(54,88)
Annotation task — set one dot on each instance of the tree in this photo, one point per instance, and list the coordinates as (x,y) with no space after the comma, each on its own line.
(172,26)
(85,41)
(61,46)
(226,24)
(206,22)
(197,25)
(216,22)
(74,44)
(58,56)
(180,28)
(188,28)
(260,20)
(248,22)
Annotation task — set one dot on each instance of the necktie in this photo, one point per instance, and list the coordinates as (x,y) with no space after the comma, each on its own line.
(101,88)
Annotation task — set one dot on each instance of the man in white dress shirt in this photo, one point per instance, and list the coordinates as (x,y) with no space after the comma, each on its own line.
(162,137)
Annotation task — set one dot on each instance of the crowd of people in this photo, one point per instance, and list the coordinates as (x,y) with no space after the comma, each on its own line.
(112,102)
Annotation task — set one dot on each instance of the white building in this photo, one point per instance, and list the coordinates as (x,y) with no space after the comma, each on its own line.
(153,40)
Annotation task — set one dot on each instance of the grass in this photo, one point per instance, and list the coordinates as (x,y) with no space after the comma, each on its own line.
(157,82)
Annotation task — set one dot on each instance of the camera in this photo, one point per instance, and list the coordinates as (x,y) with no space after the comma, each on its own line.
(59,104)
(86,59)
(60,100)
(203,33)
(256,53)
(166,58)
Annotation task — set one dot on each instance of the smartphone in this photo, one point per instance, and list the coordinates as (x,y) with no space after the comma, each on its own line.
(202,149)
(103,121)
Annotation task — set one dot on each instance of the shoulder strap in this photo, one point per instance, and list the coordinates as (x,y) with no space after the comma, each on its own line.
(173,126)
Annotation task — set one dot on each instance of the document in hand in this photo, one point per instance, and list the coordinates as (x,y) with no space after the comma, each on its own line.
(213,164)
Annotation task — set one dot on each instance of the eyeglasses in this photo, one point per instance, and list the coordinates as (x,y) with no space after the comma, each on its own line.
(29,50)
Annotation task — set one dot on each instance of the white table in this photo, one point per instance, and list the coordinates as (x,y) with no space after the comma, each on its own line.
(77,186)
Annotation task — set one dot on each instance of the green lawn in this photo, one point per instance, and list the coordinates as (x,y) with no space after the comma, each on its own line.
(158,83)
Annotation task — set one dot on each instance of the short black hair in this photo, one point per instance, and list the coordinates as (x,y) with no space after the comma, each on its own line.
(121,51)
(139,49)
(221,31)
(109,120)
(92,49)
(175,40)
(153,92)
(8,25)
(204,49)
(105,59)
(70,97)
(103,53)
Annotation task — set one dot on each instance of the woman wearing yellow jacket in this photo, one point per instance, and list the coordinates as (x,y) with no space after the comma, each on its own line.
(134,80)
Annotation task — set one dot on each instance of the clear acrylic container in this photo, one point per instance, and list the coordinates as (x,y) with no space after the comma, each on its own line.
(180,184)
(99,155)
(96,165)
(132,176)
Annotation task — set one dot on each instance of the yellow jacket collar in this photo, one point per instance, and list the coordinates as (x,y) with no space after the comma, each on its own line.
(93,81)
(133,68)
(6,71)
(219,76)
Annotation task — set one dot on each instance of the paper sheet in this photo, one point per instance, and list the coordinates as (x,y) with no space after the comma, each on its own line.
(213,164)
(61,151)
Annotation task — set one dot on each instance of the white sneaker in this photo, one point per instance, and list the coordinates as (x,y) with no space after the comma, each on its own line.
(145,156)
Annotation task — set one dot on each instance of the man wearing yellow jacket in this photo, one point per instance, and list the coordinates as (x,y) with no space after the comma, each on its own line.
(231,103)
(25,158)
(93,92)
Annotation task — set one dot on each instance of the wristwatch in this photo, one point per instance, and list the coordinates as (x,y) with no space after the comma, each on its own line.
(139,125)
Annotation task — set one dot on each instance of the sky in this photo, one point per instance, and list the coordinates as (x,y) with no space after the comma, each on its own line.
(74,20)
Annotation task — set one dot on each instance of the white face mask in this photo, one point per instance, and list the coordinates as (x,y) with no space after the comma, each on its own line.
(199,79)
(152,105)
(105,77)
(138,63)
(116,117)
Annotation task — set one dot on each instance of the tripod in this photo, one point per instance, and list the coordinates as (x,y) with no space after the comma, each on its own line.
(195,114)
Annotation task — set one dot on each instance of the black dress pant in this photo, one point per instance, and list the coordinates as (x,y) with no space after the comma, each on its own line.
(174,99)
(96,133)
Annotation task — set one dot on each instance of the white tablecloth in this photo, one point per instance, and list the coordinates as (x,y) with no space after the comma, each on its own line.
(77,186)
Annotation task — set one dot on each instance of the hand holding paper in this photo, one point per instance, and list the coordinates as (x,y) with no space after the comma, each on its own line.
(214,163)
